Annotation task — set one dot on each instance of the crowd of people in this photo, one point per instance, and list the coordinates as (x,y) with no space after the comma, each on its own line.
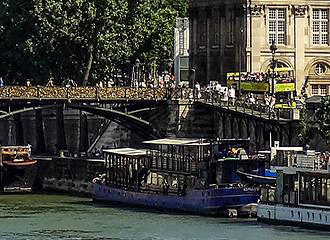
(249,77)
(279,77)
(216,92)
(324,160)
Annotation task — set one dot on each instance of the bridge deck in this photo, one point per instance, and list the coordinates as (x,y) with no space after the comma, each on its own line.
(97,94)
(262,112)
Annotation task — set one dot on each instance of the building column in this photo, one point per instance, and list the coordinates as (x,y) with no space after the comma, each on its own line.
(257,36)
(223,36)
(193,34)
(300,39)
(208,44)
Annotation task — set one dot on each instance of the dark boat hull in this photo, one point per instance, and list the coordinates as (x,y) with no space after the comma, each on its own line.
(17,176)
(203,202)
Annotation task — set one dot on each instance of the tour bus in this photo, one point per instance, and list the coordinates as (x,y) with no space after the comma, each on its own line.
(250,82)
(260,83)
(285,87)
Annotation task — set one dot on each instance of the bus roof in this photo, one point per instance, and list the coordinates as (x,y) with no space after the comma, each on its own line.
(233,74)
(283,69)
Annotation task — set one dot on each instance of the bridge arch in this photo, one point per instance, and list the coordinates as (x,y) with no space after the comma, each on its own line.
(128,120)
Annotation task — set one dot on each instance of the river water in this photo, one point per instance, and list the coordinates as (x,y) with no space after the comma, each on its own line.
(41,216)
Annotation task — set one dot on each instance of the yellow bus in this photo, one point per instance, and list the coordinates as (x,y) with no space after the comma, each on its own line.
(250,82)
(259,82)
(283,80)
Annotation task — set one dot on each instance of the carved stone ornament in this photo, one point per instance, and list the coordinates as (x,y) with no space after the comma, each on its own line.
(300,11)
(256,10)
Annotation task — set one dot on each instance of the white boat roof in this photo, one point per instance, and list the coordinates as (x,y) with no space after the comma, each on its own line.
(15,147)
(127,151)
(178,141)
(294,170)
(296,149)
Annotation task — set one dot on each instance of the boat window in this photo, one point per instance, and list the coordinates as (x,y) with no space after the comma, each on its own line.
(308,215)
(320,216)
(313,216)
(292,213)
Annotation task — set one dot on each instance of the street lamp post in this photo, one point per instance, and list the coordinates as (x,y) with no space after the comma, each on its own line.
(137,78)
(240,64)
(273,49)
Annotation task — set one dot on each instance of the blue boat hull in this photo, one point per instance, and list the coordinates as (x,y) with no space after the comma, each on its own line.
(204,202)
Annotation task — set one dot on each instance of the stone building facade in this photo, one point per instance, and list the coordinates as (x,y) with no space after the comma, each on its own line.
(232,35)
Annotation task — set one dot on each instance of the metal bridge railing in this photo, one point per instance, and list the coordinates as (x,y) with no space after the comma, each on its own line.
(83,93)
(121,93)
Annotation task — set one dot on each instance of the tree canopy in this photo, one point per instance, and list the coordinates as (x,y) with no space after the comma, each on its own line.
(83,40)
(323,118)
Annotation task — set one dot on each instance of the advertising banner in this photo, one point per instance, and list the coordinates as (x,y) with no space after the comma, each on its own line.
(285,87)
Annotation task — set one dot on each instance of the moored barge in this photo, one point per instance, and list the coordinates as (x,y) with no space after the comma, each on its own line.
(301,198)
(190,175)
(17,168)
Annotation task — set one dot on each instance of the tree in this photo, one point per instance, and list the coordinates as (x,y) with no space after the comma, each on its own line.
(83,40)
(306,129)
(16,28)
(76,39)
(323,118)
(153,30)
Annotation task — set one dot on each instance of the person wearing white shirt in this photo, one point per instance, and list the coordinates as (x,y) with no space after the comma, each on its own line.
(232,94)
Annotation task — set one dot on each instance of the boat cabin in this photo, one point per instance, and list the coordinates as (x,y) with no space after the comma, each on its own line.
(15,153)
(299,186)
(174,165)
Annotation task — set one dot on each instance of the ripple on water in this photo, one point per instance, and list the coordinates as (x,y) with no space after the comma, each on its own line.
(55,235)
(58,217)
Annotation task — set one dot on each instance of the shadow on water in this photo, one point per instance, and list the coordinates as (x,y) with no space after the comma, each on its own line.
(172,213)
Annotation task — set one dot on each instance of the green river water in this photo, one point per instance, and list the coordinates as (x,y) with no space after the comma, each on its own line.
(41,216)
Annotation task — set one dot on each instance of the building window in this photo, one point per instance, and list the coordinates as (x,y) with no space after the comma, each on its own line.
(315,89)
(319,89)
(277,26)
(320,27)
(323,89)
(320,69)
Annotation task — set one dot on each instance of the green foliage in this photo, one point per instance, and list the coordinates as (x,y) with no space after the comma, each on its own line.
(16,28)
(59,38)
(306,130)
(323,118)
